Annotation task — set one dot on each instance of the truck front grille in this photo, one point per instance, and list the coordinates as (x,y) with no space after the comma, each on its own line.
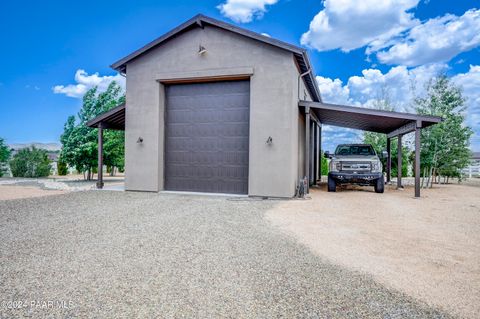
(356,167)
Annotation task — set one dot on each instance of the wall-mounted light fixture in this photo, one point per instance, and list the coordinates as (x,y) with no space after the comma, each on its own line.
(269,140)
(201,50)
(140,140)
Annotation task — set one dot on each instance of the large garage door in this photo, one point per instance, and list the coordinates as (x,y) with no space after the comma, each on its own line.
(206,137)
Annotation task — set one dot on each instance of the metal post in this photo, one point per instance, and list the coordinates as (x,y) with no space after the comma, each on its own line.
(307,147)
(320,152)
(399,162)
(389,160)
(417,158)
(100,157)
(315,153)
(312,152)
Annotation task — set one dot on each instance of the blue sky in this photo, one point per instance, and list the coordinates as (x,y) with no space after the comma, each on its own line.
(362,51)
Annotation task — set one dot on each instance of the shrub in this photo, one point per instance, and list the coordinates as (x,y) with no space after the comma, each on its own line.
(62,168)
(32,162)
(324,165)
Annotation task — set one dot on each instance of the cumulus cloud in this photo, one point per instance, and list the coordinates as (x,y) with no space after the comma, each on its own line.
(84,82)
(390,31)
(470,82)
(352,24)
(244,11)
(437,40)
(399,86)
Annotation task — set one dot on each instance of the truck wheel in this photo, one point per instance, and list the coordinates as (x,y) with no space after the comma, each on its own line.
(379,185)
(332,186)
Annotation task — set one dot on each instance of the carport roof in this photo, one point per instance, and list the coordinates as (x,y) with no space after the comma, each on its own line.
(198,21)
(387,122)
(113,119)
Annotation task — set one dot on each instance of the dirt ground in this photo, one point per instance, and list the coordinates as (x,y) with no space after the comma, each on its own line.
(16,192)
(16,188)
(428,248)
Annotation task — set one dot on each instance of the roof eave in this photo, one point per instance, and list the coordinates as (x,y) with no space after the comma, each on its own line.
(201,20)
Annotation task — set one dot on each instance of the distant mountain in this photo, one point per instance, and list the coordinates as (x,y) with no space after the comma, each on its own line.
(51,147)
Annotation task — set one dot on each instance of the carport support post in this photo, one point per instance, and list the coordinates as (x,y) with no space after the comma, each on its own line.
(417,158)
(100,156)
(399,162)
(307,148)
(389,160)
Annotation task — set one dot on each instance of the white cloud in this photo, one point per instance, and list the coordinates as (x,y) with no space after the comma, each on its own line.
(399,85)
(436,40)
(470,82)
(244,10)
(389,29)
(352,24)
(84,82)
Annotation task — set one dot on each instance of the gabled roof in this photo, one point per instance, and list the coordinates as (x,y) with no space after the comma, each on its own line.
(199,21)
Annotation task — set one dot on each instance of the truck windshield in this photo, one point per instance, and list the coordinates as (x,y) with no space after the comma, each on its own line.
(354,150)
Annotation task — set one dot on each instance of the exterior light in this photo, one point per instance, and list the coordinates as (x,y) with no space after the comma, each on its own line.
(140,140)
(269,140)
(201,50)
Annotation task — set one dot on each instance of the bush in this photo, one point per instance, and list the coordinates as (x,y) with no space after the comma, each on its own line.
(324,165)
(62,168)
(32,162)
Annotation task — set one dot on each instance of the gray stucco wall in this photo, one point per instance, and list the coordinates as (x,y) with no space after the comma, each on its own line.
(274,111)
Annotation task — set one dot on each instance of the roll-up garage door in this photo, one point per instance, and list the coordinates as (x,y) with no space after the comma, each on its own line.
(207,137)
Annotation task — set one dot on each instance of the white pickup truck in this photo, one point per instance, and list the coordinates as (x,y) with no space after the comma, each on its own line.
(355,164)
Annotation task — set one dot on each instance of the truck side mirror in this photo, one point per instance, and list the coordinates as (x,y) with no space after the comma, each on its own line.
(327,154)
(384,154)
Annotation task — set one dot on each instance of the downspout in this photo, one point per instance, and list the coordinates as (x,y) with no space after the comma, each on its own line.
(301,77)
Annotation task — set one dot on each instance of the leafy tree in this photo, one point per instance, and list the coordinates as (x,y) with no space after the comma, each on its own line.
(79,142)
(4,156)
(114,150)
(30,162)
(445,145)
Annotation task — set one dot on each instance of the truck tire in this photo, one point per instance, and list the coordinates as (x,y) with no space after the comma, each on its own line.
(379,185)
(332,185)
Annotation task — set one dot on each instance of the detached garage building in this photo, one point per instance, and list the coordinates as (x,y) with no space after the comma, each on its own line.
(211,107)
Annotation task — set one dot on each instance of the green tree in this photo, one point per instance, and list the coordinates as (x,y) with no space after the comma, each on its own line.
(4,156)
(79,142)
(30,162)
(444,147)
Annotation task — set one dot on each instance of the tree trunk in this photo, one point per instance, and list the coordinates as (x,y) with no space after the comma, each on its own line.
(424,175)
(433,174)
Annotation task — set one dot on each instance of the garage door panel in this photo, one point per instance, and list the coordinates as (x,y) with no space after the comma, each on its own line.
(207,137)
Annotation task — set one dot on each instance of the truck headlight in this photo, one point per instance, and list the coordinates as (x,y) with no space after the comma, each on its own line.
(376,167)
(335,166)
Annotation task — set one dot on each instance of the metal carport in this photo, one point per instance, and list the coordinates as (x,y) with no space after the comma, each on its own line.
(393,124)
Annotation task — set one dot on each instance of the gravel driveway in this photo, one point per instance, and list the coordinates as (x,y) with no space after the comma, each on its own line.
(125,255)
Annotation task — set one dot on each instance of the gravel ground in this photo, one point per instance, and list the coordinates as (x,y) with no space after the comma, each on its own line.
(124,255)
